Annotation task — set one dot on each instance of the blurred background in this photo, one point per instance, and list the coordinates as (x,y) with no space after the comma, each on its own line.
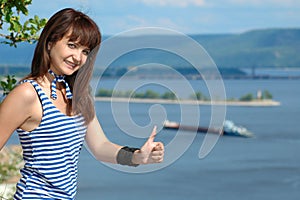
(253,44)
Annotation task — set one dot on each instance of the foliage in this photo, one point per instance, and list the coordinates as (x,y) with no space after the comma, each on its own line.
(267,95)
(10,164)
(148,94)
(112,93)
(104,93)
(250,97)
(168,95)
(199,96)
(8,85)
(11,12)
(247,97)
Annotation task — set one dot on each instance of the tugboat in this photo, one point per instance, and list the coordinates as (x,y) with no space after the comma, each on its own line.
(229,128)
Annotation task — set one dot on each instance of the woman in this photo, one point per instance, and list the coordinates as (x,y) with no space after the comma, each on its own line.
(53,112)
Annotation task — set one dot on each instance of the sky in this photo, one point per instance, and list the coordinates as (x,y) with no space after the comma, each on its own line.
(185,16)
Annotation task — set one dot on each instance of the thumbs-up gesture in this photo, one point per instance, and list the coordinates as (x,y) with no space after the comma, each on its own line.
(151,152)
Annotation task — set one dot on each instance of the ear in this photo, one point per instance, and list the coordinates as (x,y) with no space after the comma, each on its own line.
(49,46)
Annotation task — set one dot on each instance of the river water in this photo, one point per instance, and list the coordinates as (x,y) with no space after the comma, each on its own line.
(266,167)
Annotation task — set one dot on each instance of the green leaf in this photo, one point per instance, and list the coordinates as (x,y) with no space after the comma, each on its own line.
(16,26)
(23,9)
(10,13)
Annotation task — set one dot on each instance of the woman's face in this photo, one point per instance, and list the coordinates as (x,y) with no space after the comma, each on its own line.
(67,56)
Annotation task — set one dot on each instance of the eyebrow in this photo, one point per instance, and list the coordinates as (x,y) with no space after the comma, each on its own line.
(78,44)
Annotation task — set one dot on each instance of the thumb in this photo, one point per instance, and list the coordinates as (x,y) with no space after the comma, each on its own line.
(153,134)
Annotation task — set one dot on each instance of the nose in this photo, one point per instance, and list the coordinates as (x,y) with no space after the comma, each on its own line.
(77,57)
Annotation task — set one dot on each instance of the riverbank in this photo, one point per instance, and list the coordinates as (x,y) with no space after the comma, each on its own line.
(254,103)
(7,190)
(10,164)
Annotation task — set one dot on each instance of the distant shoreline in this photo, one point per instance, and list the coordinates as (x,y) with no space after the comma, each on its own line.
(254,103)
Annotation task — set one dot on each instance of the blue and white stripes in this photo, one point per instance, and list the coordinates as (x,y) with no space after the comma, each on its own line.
(51,154)
(59,78)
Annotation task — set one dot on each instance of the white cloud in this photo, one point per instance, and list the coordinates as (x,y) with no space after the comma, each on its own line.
(265,2)
(176,3)
(136,21)
(216,17)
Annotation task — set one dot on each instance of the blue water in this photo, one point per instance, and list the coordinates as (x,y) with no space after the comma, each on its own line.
(266,167)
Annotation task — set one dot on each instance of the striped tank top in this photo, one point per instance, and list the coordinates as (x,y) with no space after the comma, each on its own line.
(50,153)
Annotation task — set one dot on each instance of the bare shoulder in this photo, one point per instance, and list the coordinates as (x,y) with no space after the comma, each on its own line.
(23,94)
(20,105)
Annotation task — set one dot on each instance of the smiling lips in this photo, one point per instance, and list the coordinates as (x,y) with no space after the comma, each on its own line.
(72,64)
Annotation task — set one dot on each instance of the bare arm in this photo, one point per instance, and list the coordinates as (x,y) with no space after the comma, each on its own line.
(104,150)
(15,109)
(100,146)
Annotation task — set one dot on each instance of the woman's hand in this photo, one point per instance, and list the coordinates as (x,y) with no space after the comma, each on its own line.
(151,152)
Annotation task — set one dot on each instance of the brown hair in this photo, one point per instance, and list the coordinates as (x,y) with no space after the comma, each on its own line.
(84,30)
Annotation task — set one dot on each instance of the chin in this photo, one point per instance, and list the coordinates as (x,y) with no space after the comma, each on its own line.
(69,71)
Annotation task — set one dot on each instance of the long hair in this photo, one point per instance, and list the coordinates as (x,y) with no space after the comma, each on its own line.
(84,30)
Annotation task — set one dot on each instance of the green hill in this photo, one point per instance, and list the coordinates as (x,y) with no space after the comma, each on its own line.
(271,48)
(258,48)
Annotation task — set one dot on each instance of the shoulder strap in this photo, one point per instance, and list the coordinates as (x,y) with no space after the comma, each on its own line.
(38,89)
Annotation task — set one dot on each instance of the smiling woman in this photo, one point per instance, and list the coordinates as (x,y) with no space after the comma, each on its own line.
(67,56)
(63,47)
(53,112)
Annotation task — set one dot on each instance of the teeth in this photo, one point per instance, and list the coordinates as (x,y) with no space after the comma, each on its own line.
(70,63)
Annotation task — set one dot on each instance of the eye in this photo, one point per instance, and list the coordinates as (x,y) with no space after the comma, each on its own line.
(72,45)
(86,52)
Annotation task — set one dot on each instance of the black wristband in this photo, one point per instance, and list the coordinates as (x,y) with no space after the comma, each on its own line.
(124,156)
